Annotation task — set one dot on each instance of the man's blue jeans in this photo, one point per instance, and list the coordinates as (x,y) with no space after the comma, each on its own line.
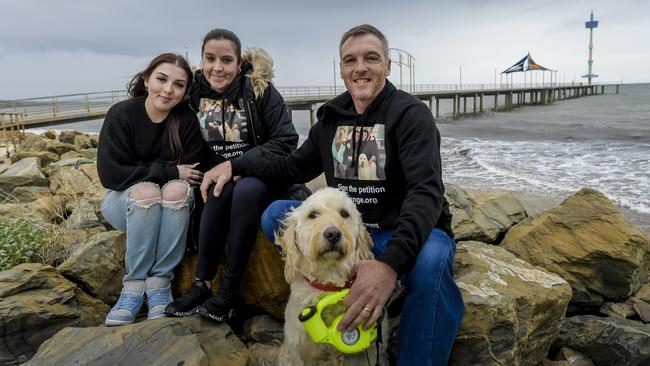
(433,307)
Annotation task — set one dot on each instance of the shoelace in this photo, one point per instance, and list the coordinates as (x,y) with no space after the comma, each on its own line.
(128,301)
(195,290)
(225,298)
(159,297)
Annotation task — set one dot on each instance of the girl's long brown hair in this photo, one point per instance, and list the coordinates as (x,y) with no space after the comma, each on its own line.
(136,88)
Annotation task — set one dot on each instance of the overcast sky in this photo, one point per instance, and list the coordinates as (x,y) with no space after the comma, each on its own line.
(52,47)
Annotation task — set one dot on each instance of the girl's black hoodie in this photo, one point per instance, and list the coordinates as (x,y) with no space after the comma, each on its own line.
(392,171)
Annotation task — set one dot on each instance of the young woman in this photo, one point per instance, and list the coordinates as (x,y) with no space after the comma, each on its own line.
(147,157)
(245,118)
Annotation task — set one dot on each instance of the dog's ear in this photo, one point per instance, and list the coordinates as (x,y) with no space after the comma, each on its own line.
(364,243)
(289,242)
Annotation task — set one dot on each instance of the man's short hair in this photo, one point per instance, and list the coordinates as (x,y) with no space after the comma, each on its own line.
(364,29)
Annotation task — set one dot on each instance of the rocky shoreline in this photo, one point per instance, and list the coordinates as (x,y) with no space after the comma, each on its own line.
(544,282)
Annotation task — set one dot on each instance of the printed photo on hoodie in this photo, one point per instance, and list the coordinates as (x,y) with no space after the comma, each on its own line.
(212,116)
(359,153)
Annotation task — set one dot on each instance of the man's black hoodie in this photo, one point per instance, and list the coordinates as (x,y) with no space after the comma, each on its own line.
(406,193)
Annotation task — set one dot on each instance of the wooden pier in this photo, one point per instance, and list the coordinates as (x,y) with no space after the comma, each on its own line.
(37,112)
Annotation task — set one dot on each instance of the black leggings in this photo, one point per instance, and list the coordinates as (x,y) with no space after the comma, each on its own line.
(233,216)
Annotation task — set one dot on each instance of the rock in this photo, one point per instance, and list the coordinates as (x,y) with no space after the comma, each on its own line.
(8,184)
(35,303)
(264,329)
(620,309)
(83,142)
(83,214)
(58,147)
(70,181)
(25,172)
(49,134)
(89,153)
(263,284)
(90,170)
(94,138)
(482,216)
(45,157)
(71,155)
(187,341)
(642,309)
(588,242)
(569,357)
(75,162)
(29,194)
(47,209)
(264,355)
(98,265)
(644,292)
(4,165)
(513,311)
(68,136)
(607,341)
(34,143)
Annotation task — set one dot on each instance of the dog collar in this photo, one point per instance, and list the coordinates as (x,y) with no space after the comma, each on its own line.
(328,286)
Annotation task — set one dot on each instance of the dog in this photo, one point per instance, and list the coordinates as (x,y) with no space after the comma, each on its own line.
(364,167)
(323,241)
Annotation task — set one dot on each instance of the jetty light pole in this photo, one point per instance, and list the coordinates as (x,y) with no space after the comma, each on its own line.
(590,24)
(409,63)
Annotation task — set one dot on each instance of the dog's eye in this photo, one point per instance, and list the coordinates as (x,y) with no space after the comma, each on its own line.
(313,214)
(344,213)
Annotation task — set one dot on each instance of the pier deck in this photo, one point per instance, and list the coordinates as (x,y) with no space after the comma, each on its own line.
(36,112)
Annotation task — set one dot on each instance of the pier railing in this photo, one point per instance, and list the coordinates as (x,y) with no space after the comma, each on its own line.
(11,132)
(319,91)
(71,107)
(60,107)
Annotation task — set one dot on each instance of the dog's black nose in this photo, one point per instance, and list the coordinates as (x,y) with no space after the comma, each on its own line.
(332,235)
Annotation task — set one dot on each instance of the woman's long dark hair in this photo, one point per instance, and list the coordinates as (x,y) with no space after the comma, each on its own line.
(136,88)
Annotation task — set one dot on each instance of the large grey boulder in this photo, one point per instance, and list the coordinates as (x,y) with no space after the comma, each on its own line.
(25,172)
(68,136)
(29,193)
(71,181)
(189,341)
(45,157)
(98,265)
(513,310)
(35,303)
(588,242)
(483,216)
(83,142)
(83,214)
(607,341)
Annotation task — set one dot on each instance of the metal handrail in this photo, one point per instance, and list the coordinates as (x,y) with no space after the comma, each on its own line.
(97,103)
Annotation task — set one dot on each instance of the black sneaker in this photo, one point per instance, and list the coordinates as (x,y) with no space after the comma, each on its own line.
(220,307)
(187,304)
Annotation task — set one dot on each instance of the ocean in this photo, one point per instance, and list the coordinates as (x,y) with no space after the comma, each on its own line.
(600,141)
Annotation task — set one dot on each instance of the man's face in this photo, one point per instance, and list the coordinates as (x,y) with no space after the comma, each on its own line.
(364,69)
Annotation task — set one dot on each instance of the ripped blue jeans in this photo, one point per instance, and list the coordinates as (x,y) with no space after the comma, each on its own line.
(156,230)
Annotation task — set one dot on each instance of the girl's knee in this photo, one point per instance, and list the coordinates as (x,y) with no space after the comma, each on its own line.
(249,189)
(175,193)
(145,193)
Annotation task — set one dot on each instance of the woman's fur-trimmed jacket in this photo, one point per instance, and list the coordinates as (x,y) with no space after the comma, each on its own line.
(273,132)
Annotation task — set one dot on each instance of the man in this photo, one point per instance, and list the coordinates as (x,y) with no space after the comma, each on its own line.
(406,213)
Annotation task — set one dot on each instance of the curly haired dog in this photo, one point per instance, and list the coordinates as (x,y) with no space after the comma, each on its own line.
(364,167)
(323,241)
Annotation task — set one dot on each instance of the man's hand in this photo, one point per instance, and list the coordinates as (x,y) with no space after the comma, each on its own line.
(369,293)
(220,175)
